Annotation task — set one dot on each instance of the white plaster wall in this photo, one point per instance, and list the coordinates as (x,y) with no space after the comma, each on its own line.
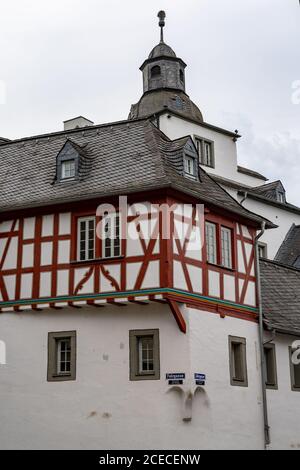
(282,218)
(225,148)
(284,404)
(102,408)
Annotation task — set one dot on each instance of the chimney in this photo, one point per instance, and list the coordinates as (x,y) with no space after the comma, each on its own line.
(76,123)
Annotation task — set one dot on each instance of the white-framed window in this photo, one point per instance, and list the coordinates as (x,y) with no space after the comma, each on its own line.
(211,242)
(280,196)
(111,242)
(226,247)
(86,238)
(206,152)
(189,165)
(146,356)
(68,169)
(63,355)
(262,250)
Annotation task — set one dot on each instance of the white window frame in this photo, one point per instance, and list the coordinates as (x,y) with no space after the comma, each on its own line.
(148,359)
(206,159)
(211,242)
(114,238)
(59,352)
(66,167)
(226,247)
(189,165)
(86,220)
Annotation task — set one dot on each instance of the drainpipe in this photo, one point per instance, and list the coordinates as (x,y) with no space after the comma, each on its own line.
(261,340)
(244,198)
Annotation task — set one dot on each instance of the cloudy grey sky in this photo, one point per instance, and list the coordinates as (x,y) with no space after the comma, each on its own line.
(64,58)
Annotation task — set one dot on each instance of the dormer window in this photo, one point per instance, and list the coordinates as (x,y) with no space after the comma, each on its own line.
(190,165)
(69,161)
(68,169)
(280,196)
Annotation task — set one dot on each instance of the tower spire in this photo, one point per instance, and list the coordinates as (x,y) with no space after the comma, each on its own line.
(161,15)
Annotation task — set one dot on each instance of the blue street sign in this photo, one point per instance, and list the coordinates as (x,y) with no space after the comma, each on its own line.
(175,376)
(200,376)
(200,382)
(175,382)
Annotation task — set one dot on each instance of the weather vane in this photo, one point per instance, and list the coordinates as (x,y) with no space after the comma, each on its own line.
(161,15)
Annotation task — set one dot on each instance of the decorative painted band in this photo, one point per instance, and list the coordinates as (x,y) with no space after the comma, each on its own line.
(184,295)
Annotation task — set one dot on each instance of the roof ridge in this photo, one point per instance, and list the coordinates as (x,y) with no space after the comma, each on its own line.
(281,265)
(79,129)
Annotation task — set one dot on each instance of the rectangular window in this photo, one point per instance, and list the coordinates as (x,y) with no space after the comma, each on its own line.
(68,169)
(111,239)
(61,356)
(270,366)
(262,250)
(226,247)
(295,373)
(189,165)
(144,354)
(237,361)
(206,152)
(211,242)
(86,238)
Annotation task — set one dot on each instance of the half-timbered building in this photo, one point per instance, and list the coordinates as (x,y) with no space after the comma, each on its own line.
(128,285)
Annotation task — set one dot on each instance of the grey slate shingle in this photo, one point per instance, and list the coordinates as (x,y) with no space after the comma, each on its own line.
(289,251)
(280,296)
(124,157)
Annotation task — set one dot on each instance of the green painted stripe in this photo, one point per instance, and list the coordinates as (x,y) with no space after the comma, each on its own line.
(135,293)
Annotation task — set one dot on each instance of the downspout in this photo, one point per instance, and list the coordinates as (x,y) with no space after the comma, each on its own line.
(261,340)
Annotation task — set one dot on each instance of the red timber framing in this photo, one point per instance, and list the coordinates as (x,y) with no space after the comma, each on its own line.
(164,264)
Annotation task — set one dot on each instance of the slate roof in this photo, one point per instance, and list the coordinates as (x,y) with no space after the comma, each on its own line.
(257,193)
(289,251)
(280,297)
(255,174)
(124,157)
(269,190)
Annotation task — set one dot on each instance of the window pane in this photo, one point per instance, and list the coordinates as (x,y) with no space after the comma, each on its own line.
(270,366)
(297,375)
(226,247)
(145,348)
(211,242)
(63,355)
(111,241)
(86,238)
(237,361)
(68,169)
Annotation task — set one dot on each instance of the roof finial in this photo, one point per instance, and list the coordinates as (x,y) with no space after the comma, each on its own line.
(161,15)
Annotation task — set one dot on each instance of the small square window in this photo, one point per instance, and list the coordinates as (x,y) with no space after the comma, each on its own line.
(68,169)
(237,361)
(61,356)
(270,366)
(295,372)
(144,354)
(262,250)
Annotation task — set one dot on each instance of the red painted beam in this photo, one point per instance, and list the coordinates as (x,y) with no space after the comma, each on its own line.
(177,315)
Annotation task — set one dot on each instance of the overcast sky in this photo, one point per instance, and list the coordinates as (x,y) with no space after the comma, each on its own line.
(65,58)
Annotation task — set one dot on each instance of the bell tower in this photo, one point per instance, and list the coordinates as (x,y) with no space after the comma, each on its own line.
(163,69)
(164,83)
